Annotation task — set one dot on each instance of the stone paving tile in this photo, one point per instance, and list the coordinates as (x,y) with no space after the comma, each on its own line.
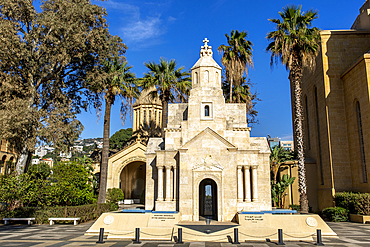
(350,235)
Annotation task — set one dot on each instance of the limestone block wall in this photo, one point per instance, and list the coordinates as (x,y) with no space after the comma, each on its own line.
(356,87)
(326,120)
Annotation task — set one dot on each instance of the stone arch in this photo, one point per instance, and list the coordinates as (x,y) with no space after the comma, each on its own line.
(198,177)
(2,164)
(128,161)
(130,177)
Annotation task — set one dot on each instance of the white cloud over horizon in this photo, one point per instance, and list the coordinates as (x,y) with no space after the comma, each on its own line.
(143,30)
(140,31)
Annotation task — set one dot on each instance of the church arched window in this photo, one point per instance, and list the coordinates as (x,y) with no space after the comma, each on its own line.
(361,139)
(206,111)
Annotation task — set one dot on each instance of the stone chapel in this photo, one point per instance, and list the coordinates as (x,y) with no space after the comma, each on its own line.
(207,165)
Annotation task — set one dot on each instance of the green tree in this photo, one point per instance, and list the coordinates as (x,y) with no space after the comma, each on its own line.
(173,84)
(74,183)
(296,45)
(278,157)
(39,171)
(118,139)
(47,54)
(119,81)
(237,56)
(278,189)
(242,94)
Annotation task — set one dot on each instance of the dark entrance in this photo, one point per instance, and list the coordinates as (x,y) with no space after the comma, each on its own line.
(208,199)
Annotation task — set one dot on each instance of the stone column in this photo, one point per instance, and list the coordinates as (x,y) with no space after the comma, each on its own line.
(168,183)
(240,184)
(247,182)
(160,183)
(254,184)
(175,183)
(135,121)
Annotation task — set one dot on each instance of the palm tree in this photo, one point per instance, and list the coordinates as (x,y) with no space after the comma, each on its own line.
(172,84)
(119,82)
(278,157)
(237,56)
(296,45)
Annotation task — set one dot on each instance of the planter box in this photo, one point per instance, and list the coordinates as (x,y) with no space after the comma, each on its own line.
(364,219)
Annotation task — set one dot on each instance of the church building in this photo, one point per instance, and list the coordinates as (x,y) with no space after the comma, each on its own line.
(336,103)
(207,165)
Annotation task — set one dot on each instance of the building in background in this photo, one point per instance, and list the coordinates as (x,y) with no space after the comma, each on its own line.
(8,157)
(336,107)
(290,168)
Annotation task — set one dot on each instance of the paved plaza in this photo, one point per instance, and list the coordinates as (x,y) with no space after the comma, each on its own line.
(350,234)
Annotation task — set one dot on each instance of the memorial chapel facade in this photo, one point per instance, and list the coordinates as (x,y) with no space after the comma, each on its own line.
(207,165)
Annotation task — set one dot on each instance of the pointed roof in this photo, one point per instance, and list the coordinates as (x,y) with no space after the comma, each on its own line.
(208,130)
(206,57)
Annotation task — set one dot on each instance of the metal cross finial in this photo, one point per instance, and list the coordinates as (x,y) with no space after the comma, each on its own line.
(205,41)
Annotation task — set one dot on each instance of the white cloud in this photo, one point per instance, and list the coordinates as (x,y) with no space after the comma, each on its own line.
(141,30)
(171,18)
(125,8)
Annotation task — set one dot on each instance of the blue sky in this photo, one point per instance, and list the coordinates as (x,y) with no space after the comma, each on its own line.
(175,30)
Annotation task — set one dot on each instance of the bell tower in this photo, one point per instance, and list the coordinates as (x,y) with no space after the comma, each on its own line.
(206,72)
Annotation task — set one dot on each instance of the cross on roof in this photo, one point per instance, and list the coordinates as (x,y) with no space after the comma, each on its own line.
(205,41)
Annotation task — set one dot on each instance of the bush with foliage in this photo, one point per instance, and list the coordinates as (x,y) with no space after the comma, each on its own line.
(356,203)
(336,214)
(85,212)
(39,171)
(278,189)
(295,206)
(69,184)
(115,195)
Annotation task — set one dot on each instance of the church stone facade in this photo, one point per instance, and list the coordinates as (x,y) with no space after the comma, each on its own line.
(207,165)
(336,103)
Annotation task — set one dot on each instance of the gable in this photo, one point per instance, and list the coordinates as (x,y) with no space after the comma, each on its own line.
(136,149)
(208,136)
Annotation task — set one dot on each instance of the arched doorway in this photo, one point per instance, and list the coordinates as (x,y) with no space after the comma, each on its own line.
(208,199)
(2,165)
(132,181)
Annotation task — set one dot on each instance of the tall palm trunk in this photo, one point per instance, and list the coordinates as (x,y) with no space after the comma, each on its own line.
(231,90)
(105,152)
(295,75)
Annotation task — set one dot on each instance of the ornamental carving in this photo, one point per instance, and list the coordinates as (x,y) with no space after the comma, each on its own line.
(208,164)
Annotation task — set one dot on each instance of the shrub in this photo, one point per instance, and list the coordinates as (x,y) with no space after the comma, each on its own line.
(356,203)
(114,195)
(69,185)
(336,214)
(85,212)
(295,207)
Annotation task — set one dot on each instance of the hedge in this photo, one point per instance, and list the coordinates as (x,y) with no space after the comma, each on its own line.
(336,214)
(356,203)
(85,212)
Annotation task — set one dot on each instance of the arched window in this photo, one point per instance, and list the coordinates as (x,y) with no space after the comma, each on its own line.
(206,111)
(207,76)
(361,140)
(195,78)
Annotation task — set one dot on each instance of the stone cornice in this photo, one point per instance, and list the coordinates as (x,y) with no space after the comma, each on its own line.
(242,128)
(172,129)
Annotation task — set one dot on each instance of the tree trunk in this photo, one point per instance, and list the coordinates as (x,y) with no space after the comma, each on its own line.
(165,101)
(231,90)
(22,161)
(295,75)
(105,152)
